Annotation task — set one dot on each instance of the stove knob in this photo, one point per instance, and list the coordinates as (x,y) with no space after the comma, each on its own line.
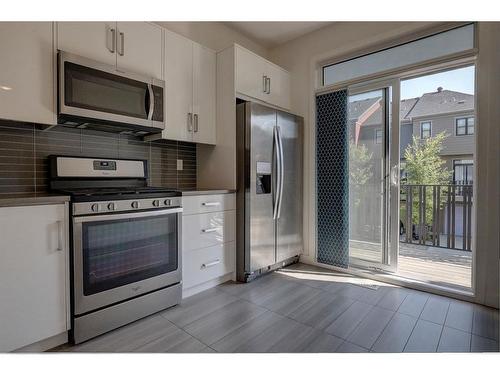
(156,203)
(168,202)
(135,204)
(95,207)
(111,206)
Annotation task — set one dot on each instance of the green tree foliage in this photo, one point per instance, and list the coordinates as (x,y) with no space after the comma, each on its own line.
(360,169)
(424,166)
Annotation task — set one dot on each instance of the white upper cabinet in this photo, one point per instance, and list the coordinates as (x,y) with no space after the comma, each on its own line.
(204,94)
(190,71)
(260,79)
(27,72)
(139,48)
(130,46)
(179,87)
(34,269)
(94,40)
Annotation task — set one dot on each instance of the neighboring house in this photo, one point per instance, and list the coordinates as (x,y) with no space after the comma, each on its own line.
(446,111)
(425,116)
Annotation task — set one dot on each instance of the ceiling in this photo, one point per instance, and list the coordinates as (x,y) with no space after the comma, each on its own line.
(271,34)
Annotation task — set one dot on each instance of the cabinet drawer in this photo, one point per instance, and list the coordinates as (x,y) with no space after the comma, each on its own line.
(197,204)
(204,230)
(202,265)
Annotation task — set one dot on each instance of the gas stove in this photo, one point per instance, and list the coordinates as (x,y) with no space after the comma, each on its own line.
(125,252)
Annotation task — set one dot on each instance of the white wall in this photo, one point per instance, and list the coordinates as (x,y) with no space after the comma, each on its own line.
(214,35)
(301,57)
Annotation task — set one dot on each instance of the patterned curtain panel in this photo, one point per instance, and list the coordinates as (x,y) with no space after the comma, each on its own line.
(332,179)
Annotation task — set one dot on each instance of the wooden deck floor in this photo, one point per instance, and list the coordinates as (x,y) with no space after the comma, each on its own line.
(438,266)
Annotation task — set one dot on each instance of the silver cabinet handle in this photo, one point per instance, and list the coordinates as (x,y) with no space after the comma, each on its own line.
(268,86)
(210,264)
(264,84)
(60,236)
(210,204)
(121,51)
(111,39)
(209,230)
(195,122)
(190,122)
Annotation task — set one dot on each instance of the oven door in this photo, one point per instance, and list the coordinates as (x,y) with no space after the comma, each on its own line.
(116,257)
(89,90)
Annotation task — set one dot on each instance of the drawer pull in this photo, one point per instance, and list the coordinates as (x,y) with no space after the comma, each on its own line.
(209,230)
(211,264)
(210,204)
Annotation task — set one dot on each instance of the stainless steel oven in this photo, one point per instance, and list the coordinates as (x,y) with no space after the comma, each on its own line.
(96,95)
(121,256)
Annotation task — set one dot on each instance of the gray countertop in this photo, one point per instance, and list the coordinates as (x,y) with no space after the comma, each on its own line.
(207,192)
(38,199)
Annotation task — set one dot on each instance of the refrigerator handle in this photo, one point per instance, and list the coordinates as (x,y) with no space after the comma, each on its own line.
(276,173)
(281,171)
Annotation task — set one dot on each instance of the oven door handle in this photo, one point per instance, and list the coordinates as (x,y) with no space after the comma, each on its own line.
(128,215)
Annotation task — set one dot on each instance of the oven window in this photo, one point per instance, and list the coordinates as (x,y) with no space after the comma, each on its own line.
(120,252)
(96,90)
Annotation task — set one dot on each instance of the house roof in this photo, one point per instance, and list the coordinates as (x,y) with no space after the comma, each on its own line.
(441,101)
(432,103)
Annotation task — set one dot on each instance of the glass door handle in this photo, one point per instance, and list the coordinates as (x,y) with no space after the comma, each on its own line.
(395,176)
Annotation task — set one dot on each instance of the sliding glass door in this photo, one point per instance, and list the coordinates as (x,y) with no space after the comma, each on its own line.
(373,154)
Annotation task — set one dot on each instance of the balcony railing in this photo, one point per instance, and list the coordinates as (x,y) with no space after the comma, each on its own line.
(437,215)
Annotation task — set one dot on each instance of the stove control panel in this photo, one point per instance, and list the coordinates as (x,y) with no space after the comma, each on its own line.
(101,207)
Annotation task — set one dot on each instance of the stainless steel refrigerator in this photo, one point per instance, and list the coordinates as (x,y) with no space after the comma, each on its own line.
(269,193)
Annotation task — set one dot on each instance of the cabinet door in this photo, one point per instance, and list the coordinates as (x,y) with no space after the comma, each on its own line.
(204,93)
(250,72)
(33,274)
(179,87)
(27,72)
(139,48)
(279,87)
(94,40)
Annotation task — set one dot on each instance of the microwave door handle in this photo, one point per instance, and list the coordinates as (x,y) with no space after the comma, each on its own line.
(150,108)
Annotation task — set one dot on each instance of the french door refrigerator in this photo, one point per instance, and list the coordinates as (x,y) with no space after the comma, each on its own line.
(269,193)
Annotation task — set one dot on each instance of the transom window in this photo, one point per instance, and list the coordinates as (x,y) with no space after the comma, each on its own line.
(425,129)
(464,126)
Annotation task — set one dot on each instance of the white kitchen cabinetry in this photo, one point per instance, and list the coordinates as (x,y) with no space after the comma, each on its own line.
(190,91)
(260,79)
(130,46)
(139,48)
(208,241)
(27,72)
(34,271)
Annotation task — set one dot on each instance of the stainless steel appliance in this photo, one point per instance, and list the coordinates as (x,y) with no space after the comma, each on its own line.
(125,253)
(269,195)
(96,95)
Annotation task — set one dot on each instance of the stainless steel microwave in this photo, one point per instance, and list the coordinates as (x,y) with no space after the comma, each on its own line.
(98,96)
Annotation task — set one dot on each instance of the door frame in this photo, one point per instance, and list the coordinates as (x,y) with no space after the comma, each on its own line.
(390,141)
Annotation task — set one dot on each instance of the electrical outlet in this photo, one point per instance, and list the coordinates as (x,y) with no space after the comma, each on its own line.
(179,164)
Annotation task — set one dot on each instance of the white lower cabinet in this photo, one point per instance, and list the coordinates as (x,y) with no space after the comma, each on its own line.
(208,241)
(34,298)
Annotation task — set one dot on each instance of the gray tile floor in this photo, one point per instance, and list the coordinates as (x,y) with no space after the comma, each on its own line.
(308,309)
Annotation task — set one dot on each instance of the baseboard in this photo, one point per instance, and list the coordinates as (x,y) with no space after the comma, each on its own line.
(207,285)
(45,344)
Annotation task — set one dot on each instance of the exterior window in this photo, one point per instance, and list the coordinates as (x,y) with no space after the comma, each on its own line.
(464,126)
(378,135)
(463,172)
(425,129)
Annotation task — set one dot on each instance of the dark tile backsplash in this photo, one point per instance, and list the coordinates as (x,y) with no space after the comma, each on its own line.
(25,147)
